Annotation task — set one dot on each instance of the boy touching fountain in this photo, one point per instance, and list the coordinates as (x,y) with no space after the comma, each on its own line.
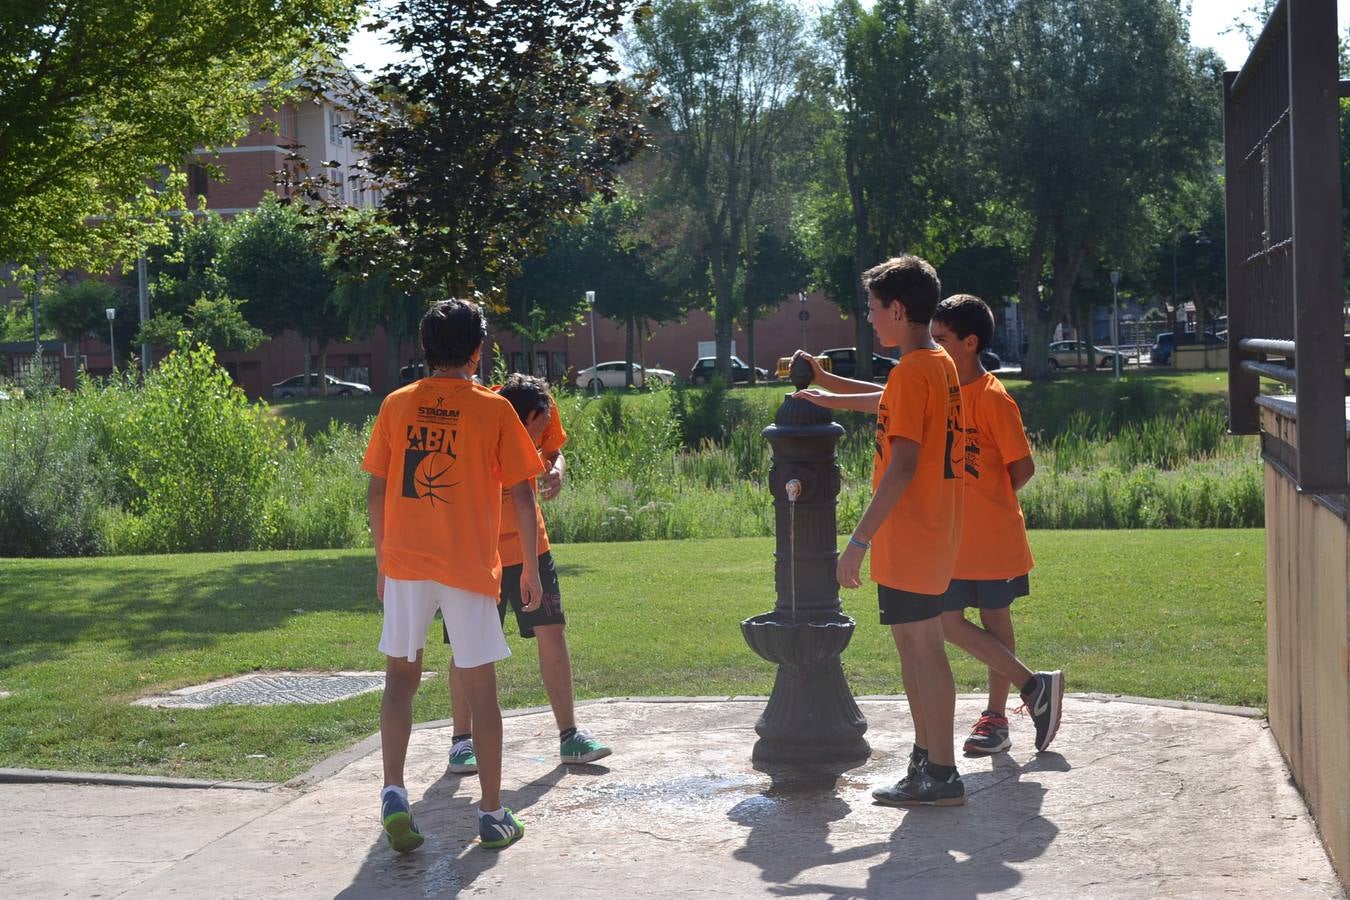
(538,412)
(994,559)
(913,522)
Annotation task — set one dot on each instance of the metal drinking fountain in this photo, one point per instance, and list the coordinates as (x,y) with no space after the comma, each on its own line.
(811,716)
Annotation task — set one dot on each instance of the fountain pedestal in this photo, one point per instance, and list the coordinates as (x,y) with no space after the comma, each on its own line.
(811,716)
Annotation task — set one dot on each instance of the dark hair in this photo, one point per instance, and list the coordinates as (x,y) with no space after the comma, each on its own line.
(528,394)
(910,281)
(452,331)
(966,314)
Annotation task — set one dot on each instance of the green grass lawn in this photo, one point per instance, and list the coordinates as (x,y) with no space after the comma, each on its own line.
(315,413)
(1177,614)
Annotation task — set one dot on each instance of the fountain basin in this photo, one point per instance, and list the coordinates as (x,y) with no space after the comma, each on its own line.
(778,639)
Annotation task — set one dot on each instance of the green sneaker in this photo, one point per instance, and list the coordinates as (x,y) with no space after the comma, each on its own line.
(583,748)
(462,759)
(494,834)
(398,824)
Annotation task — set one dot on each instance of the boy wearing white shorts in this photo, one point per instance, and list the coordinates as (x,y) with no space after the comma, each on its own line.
(441,452)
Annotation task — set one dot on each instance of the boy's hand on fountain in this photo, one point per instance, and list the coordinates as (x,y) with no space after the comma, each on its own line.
(849,569)
(816,396)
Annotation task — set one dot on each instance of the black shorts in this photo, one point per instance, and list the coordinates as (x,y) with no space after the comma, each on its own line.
(550,611)
(901,607)
(995,593)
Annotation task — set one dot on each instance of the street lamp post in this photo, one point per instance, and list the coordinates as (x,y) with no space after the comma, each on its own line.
(112,348)
(595,374)
(1115,319)
(803,315)
(143,302)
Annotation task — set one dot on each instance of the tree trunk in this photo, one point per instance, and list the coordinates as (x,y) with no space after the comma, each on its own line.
(750,342)
(630,327)
(864,257)
(1067,261)
(323,367)
(1037,321)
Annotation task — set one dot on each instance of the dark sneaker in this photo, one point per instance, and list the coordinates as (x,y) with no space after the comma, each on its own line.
(923,790)
(462,758)
(990,735)
(494,834)
(398,824)
(1044,703)
(916,764)
(583,748)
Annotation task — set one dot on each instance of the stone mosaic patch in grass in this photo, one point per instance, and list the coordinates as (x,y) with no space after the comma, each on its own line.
(271,689)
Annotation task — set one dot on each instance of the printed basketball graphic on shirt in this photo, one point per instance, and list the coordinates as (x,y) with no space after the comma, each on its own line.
(428,464)
(956,438)
(973,453)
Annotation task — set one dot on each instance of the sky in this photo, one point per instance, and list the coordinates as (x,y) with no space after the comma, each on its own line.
(1209,19)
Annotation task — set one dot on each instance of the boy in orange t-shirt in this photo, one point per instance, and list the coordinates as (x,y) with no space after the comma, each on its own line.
(538,412)
(913,523)
(994,559)
(441,452)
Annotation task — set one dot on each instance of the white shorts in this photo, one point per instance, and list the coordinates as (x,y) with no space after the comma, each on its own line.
(471,620)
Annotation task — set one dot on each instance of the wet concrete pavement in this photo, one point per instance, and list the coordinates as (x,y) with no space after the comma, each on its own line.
(1133,800)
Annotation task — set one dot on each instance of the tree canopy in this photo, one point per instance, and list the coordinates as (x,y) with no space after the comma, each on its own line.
(100,101)
(499,119)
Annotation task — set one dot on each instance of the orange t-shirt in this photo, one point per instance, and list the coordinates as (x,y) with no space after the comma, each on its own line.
(915,548)
(994,534)
(446,447)
(508,545)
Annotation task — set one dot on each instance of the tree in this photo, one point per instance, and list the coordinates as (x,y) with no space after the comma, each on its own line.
(777,267)
(894,118)
(732,78)
(217,323)
(276,264)
(76,310)
(1087,116)
(187,267)
(99,102)
(366,296)
(500,118)
(607,253)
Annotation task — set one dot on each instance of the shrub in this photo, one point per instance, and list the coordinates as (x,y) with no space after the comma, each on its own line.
(203,461)
(52,484)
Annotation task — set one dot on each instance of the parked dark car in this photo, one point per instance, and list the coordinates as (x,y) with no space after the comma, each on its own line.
(844,362)
(990,360)
(1160,354)
(706,367)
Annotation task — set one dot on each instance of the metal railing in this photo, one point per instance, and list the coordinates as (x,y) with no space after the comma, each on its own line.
(1283,203)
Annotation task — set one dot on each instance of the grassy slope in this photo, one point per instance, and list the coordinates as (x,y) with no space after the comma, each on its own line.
(1166,614)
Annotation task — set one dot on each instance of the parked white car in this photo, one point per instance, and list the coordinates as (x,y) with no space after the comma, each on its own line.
(295,387)
(611,375)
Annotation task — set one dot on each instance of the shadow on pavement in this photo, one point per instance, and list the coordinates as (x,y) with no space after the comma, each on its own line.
(955,853)
(451,860)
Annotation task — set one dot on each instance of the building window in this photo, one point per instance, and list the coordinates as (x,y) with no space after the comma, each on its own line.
(21,365)
(197,180)
(334,127)
(558,372)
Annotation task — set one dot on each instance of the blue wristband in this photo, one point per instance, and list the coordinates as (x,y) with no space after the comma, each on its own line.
(859,544)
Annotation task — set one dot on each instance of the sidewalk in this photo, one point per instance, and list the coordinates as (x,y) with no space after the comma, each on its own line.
(1134,800)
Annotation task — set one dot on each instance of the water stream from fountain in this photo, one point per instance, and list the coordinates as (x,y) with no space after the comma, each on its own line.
(794,490)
